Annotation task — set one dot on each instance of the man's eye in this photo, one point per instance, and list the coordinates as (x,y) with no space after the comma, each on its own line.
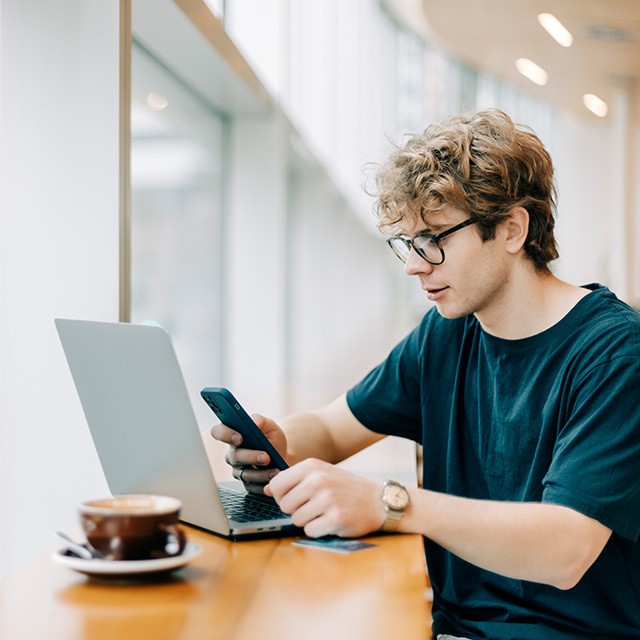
(425,241)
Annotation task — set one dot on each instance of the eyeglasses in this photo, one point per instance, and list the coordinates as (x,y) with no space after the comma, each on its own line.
(426,245)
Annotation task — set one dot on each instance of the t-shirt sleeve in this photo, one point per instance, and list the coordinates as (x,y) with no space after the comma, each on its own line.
(387,399)
(595,467)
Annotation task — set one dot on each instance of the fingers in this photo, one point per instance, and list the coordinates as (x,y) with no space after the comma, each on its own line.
(225,434)
(324,499)
(254,480)
(319,527)
(237,456)
(252,476)
(247,458)
(249,473)
(299,491)
(308,472)
(249,465)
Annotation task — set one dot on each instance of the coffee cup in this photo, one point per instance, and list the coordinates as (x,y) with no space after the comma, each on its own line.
(133,527)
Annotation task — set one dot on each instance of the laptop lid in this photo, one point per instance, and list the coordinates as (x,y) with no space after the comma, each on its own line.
(141,420)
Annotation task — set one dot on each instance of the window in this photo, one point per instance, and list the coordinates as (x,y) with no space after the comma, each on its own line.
(177,143)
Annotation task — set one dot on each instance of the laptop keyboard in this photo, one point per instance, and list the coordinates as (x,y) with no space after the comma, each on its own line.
(247,507)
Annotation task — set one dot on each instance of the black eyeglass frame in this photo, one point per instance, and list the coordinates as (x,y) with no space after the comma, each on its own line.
(435,238)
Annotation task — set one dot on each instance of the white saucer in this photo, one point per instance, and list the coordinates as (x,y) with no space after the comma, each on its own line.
(123,569)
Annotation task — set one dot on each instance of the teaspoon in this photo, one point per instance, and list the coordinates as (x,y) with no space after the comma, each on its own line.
(77,548)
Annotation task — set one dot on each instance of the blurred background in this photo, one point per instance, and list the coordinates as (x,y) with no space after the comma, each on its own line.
(203,165)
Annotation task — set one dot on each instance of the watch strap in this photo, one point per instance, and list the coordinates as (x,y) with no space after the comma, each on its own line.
(392,520)
(393,515)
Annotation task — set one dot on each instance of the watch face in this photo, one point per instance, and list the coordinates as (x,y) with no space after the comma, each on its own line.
(396,496)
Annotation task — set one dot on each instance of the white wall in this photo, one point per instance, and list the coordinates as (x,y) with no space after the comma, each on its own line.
(582,155)
(598,203)
(58,251)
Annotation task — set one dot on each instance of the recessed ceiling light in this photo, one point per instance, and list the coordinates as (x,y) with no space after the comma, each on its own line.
(532,71)
(555,29)
(595,105)
(156,101)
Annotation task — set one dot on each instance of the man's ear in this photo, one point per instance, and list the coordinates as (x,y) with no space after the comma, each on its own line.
(517,229)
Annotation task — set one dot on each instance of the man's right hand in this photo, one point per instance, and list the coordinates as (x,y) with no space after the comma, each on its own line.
(251,466)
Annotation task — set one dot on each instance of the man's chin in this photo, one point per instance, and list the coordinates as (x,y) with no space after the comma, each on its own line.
(450,313)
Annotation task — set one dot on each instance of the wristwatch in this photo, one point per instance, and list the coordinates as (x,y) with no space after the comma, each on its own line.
(395,499)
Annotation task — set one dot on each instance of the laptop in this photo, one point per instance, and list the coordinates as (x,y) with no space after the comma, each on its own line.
(146,434)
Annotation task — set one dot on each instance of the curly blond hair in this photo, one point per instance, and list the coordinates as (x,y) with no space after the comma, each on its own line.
(481,163)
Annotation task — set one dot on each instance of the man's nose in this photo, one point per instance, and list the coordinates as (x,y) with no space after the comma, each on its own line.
(415,264)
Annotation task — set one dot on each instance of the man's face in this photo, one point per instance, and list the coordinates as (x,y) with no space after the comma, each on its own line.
(474,275)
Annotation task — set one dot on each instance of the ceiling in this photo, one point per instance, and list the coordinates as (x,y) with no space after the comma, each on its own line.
(492,34)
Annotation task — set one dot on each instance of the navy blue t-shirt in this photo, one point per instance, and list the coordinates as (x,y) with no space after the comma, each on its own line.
(550,418)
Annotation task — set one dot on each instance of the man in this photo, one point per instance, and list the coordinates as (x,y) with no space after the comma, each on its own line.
(522,389)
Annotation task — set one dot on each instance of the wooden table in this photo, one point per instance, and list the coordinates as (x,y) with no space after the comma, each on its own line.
(262,590)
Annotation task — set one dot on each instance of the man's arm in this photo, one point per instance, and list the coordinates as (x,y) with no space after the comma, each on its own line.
(331,433)
(541,542)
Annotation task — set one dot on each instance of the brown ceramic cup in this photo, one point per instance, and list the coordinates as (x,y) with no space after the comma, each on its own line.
(133,527)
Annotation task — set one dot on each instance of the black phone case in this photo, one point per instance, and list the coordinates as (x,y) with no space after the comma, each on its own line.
(230,412)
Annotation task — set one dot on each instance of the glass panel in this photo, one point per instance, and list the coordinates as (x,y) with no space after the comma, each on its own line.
(176,184)
(410,74)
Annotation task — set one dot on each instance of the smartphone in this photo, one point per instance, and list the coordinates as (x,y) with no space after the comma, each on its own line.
(229,411)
